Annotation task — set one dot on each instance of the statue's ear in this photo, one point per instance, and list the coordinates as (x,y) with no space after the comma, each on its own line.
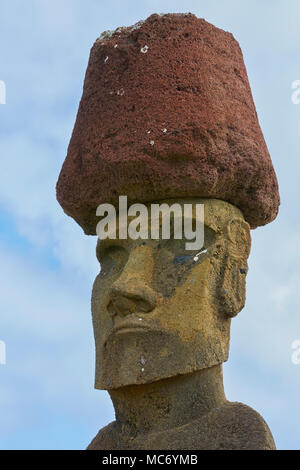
(233,286)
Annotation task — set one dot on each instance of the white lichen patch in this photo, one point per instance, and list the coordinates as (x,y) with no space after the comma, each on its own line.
(143,360)
(174,14)
(121,29)
(144,49)
(105,36)
(136,25)
(151,142)
(202,252)
(165,130)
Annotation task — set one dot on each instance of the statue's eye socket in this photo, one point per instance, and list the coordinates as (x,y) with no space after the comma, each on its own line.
(182,259)
(178,247)
(111,257)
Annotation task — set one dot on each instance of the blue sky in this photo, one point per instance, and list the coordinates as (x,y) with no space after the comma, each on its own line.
(47,400)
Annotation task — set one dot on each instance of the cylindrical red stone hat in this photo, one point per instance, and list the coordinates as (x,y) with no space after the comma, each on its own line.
(167,112)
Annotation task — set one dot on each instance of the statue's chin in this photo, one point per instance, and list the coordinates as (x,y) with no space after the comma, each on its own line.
(134,358)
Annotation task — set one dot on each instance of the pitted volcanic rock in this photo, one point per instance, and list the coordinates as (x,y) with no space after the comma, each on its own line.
(167,111)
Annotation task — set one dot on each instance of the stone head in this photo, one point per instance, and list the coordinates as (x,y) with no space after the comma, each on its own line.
(160,310)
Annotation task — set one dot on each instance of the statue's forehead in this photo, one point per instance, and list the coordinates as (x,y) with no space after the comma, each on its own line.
(217,214)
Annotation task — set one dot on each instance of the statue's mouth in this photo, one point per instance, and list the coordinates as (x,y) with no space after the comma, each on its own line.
(128,326)
(129,329)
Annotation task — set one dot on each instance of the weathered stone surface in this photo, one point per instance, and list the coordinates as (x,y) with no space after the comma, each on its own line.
(166,112)
(232,426)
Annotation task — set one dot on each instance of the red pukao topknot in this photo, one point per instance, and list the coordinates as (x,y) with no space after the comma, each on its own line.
(167,111)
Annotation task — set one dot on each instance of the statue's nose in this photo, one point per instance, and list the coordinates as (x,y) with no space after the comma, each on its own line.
(131,292)
(131,296)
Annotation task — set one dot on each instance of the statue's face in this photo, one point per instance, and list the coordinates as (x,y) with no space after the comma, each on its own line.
(159,312)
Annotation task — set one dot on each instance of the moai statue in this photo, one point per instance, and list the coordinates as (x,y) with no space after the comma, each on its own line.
(167,116)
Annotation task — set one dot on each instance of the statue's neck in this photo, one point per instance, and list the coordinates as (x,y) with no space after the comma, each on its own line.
(168,403)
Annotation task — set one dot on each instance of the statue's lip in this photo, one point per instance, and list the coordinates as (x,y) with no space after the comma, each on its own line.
(130,326)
